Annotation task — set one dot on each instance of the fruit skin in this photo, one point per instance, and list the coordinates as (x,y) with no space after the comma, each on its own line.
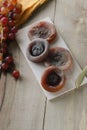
(48,87)
(40,57)
(43,30)
(60,57)
(14,29)
(11,23)
(5,66)
(9,59)
(16,74)
(11,36)
(4,21)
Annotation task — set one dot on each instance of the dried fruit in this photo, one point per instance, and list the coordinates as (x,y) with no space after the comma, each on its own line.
(60,57)
(43,30)
(53,79)
(37,50)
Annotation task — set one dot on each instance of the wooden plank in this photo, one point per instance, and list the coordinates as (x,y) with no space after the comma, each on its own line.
(69,112)
(71,21)
(24,104)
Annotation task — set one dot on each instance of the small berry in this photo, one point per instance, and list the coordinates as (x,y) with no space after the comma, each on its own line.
(10,6)
(5,66)
(11,23)
(4,21)
(5,29)
(9,59)
(1,16)
(4,10)
(5,3)
(14,29)
(16,74)
(11,36)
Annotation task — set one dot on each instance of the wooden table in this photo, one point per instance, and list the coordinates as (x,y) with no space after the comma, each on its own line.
(25,106)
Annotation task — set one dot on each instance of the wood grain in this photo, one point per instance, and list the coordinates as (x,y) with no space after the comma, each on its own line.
(25,107)
(24,103)
(69,112)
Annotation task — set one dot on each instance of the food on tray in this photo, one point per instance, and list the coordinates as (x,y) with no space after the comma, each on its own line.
(53,79)
(60,57)
(57,59)
(37,50)
(43,30)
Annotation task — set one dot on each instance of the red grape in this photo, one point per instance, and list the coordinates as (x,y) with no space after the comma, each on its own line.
(10,6)
(11,36)
(5,29)
(5,3)
(1,16)
(16,74)
(9,59)
(5,66)
(4,21)
(14,29)
(3,10)
(11,23)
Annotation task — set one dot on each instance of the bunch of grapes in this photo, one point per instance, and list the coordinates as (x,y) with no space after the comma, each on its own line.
(10,11)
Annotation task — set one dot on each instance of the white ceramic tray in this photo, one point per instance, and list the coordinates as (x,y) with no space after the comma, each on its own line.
(23,41)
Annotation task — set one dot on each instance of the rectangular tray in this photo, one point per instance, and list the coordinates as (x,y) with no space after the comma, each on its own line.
(23,41)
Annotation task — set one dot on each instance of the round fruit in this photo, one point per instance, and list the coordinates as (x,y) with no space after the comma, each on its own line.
(43,30)
(11,36)
(16,74)
(5,29)
(37,50)
(11,23)
(9,59)
(10,6)
(14,29)
(60,57)
(5,66)
(53,79)
(4,21)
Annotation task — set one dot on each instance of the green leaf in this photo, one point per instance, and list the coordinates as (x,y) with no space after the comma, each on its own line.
(81,77)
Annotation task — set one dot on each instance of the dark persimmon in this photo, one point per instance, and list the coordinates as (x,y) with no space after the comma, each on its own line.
(53,79)
(60,57)
(45,30)
(37,50)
